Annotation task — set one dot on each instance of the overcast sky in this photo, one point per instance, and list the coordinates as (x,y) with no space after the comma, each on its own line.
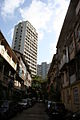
(46,16)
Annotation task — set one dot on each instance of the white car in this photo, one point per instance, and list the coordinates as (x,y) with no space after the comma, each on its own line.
(23,103)
(49,102)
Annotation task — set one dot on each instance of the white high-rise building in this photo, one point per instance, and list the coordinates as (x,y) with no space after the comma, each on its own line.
(25,40)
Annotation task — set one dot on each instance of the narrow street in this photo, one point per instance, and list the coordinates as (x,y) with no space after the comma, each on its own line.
(40,80)
(37,112)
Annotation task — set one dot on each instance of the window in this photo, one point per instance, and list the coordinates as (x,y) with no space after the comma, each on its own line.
(72,68)
(19,48)
(78,8)
(78,67)
(15,37)
(77,31)
(19,45)
(75,95)
(64,96)
(15,40)
(71,47)
(68,96)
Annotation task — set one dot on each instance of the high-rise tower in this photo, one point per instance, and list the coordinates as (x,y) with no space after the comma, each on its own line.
(42,69)
(25,41)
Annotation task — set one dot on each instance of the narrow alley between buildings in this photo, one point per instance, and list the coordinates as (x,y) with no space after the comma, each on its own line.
(37,112)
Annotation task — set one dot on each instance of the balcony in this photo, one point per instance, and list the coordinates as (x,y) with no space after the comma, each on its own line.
(72,78)
(5,55)
(2,49)
(78,46)
(72,55)
(17,85)
(65,80)
(78,41)
(63,62)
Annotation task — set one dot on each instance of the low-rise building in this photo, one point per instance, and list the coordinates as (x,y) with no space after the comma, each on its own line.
(8,67)
(14,72)
(54,80)
(23,69)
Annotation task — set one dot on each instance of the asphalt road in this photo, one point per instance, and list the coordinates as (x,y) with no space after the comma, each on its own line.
(37,112)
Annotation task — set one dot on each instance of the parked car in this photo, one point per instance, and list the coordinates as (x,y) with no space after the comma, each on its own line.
(76,115)
(29,102)
(23,103)
(48,106)
(57,110)
(73,115)
(7,109)
(3,109)
(68,116)
(40,100)
(33,100)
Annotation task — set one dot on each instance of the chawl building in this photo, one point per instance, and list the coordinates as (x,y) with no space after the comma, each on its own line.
(13,78)
(68,58)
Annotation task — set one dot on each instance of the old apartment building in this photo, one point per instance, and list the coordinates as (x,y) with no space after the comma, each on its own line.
(53,80)
(14,72)
(68,58)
